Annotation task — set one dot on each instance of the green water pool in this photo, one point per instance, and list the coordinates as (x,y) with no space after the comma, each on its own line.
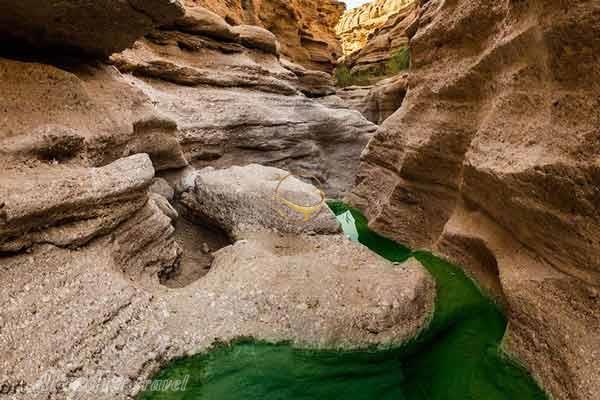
(456,358)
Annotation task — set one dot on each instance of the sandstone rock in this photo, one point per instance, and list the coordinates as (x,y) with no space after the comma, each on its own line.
(80,322)
(552,319)
(144,247)
(311,83)
(244,200)
(74,320)
(66,26)
(79,114)
(55,205)
(250,109)
(356,25)
(379,101)
(316,281)
(373,33)
(256,37)
(199,20)
(86,249)
(304,28)
(508,129)
(173,56)
(162,187)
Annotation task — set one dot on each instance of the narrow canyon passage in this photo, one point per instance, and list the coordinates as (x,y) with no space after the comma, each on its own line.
(165,170)
(456,357)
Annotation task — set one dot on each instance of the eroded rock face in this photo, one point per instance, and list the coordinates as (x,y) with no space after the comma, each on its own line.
(311,82)
(70,206)
(331,292)
(252,108)
(374,32)
(385,44)
(255,37)
(357,24)
(501,120)
(305,28)
(97,28)
(377,102)
(199,20)
(79,114)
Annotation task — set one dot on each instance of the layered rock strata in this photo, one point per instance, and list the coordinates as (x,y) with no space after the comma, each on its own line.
(356,25)
(379,101)
(493,161)
(253,108)
(374,32)
(305,28)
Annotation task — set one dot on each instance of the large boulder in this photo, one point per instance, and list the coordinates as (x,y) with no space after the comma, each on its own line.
(245,200)
(97,28)
(256,37)
(321,291)
(199,20)
(501,122)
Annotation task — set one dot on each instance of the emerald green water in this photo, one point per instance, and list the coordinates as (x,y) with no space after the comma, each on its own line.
(456,358)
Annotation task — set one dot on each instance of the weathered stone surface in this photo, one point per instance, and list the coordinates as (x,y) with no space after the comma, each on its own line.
(255,37)
(73,321)
(174,56)
(553,323)
(199,20)
(81,115)
(86,232)
(330,292)
(305,28)
(373,33)
(501,119)
(69,207)
(76,327)
(357,25)
(379,101)
(99,28)
(241,200)
(311,83)
(250,110)
(162,187)
(144,246)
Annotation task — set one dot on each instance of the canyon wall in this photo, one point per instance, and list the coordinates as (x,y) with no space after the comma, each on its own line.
(379,101)
(372,33)
(493,161)
(89,234)
(253,106)
(305,28)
